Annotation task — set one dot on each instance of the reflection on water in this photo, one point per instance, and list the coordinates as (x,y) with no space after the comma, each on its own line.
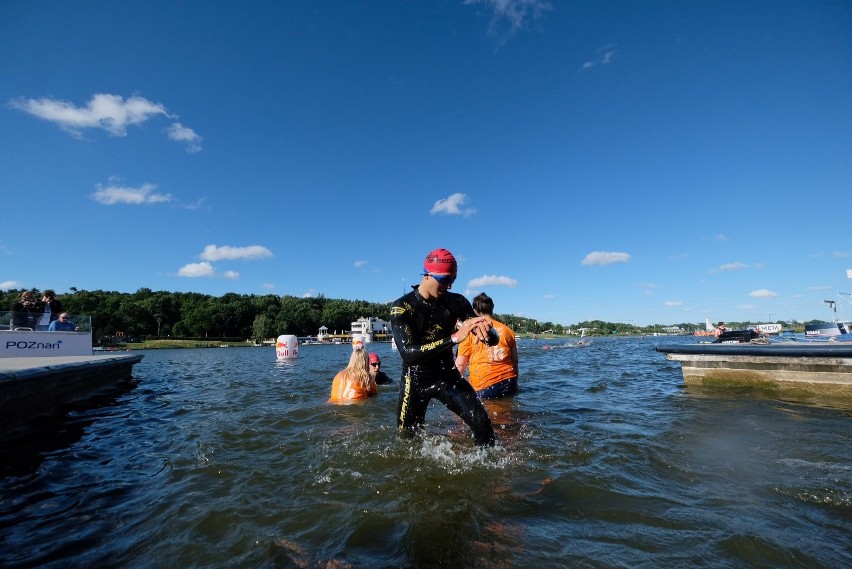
(227,458)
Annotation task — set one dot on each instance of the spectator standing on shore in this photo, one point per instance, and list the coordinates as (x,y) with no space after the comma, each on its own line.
(24,312)
(493,369)
(62,324)
(427,322)
(49,309)
(380,377)
(354,382)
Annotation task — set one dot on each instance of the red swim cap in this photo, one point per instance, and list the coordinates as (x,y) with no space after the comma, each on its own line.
(440,262)
(374,357)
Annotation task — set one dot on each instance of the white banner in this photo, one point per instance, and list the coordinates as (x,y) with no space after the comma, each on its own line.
(24,344)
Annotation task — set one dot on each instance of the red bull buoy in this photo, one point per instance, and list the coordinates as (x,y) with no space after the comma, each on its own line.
(287,347)
(358,342)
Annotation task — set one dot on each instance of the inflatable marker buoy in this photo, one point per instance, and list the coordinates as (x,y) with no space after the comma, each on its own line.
(358,342)
(287,347)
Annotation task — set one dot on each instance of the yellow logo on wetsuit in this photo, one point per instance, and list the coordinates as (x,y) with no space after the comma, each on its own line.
(405,400)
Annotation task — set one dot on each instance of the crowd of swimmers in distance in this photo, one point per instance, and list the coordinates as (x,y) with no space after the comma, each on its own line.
(440,335)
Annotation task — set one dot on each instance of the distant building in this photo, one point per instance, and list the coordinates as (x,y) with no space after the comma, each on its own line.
(368,327)
(323,336)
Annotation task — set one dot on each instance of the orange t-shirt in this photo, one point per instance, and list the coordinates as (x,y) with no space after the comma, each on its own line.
(344,388)
(489,365)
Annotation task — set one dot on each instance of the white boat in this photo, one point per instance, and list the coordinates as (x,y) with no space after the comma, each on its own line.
(837,326)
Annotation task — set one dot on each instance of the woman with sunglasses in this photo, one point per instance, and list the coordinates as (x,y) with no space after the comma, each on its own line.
(427,323)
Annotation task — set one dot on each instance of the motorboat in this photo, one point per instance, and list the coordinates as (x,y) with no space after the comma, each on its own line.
(837,326)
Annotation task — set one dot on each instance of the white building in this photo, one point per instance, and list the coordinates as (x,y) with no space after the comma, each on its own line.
(323,336)
(368,326)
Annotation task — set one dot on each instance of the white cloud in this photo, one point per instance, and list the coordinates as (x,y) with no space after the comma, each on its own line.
(192,206)
(649,288)
(492,280)
(6,285)
(214,253)
(194,270)
(842,254)
(268,286)
(510,16)
(108,112)
(549,297)
(181,133)
(721,237)
(603,56)
(729,267)
(205,270)
(673,303)
(116,194)
(111,113)
(452,206)
(359,264)
(605,258)
(762,293)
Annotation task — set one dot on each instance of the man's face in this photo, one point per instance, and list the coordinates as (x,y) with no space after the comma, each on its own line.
(439,284)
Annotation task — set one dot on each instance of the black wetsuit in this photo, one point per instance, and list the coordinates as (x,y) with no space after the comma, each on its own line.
(382,378)
(422,331)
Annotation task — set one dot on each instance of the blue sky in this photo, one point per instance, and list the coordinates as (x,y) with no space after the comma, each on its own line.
(646,162)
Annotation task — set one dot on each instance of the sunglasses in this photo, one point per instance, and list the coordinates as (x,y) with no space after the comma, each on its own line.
(443,279)
(377,364)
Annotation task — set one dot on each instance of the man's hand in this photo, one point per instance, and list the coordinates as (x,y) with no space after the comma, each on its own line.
(477,326)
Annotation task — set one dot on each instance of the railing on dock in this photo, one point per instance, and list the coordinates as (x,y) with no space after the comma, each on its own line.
(33,321)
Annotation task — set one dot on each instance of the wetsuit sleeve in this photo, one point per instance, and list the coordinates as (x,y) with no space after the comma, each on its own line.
(409,349)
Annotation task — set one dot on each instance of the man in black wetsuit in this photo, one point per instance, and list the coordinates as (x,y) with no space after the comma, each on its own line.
(427,322)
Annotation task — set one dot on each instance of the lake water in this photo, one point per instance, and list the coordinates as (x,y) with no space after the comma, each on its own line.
(227,458)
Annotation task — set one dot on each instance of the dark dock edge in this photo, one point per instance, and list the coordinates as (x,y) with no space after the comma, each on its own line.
(30,387)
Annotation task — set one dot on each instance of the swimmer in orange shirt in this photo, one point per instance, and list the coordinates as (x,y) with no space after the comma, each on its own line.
(354,382)
(493,369)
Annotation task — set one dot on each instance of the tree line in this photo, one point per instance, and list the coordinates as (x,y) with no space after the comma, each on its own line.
(147,314)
